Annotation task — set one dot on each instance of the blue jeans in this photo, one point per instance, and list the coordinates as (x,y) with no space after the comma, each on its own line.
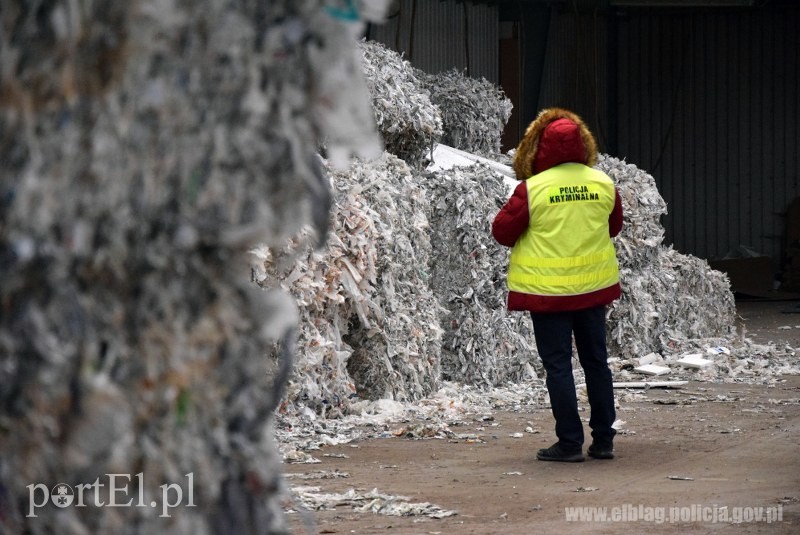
(553,332)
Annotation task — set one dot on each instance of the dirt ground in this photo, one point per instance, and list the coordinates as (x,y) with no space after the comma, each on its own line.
(685,458)
(765,321)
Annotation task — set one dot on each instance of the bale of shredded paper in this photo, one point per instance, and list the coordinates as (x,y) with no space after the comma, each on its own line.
(474,111)
(409,123)
(664,293)
(370,321)
(483,343)
(147,146)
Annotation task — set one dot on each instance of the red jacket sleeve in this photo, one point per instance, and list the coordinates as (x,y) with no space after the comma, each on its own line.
(615,218)
(513,218)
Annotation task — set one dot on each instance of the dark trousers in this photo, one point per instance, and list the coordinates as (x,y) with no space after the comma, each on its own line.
(553,332)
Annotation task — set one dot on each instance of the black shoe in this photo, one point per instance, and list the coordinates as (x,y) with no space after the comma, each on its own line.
(555,453)
(601,451)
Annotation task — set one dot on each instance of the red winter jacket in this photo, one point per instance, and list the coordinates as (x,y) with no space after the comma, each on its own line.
(557,136)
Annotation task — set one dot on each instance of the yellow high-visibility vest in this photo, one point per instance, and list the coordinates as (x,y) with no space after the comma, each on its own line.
(566,249)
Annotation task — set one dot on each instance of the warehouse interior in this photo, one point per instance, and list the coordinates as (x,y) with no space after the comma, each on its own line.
(701,94)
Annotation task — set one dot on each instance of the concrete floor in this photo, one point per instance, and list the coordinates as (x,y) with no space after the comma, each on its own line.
(766,321)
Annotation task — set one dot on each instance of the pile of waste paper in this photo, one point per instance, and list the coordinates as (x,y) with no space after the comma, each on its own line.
(665,294)
(415,110)
(474,112)
(408,122)
(369,320)
(483,344)
(147,148)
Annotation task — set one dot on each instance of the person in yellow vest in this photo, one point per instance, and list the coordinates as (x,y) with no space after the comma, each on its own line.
(563,269)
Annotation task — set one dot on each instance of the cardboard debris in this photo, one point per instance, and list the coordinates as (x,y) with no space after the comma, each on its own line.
(420,431)
(652,369)
(443,157)
(650,358)
(694,361)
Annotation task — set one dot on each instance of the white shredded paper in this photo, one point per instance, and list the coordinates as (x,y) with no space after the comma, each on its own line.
(147,146)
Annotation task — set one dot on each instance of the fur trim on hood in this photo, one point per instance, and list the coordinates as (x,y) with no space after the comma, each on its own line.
(525,164)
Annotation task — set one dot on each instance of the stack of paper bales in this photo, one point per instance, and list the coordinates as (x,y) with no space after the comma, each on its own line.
(352,348)
(370,323)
